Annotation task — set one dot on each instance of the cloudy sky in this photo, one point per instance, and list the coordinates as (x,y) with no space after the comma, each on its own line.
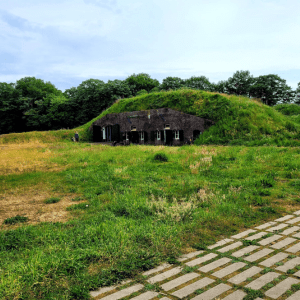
(68,41)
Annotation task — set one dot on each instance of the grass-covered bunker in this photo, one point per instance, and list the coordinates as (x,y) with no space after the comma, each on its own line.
(163,126)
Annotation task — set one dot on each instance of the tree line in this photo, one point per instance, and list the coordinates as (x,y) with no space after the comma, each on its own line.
(32,104)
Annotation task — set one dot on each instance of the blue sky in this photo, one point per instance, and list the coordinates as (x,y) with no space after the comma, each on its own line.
(68,41)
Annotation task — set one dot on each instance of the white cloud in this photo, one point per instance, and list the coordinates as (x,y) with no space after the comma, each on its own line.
(110,38)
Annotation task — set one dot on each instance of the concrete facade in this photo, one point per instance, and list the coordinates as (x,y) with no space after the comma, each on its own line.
(163,126)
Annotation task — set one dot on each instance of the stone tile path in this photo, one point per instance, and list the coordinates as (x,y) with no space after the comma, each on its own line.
(265,259)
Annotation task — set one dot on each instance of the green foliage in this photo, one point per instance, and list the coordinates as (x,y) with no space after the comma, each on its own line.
(52,200)
(141,81)
(172,83)
(15,220)
(240,83)
(162,157)
(288,109)
(198,83)
(271,89)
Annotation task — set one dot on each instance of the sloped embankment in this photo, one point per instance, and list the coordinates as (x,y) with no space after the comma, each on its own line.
(239,120)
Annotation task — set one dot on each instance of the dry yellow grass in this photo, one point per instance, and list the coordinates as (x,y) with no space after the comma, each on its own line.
(25,157)
(29,202)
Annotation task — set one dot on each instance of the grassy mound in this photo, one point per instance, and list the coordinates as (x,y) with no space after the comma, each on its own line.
(239,120)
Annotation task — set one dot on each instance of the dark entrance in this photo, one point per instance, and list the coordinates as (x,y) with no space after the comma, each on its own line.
(168,137)
(196,133)
(97,133)
(115,135)
(134,137)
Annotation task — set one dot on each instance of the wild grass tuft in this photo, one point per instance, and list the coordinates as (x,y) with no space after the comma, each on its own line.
(15,220)
(52,200)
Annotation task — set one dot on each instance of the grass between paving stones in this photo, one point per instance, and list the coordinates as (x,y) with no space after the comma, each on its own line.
(140,211)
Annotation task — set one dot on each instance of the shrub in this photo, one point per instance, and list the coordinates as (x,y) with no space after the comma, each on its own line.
(15,220)
(160,157)
(52,200)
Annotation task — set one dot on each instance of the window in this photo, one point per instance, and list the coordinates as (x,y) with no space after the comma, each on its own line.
(167,126)
(142,135)
(133,128)
(177,135)
(103,131)
(158,135)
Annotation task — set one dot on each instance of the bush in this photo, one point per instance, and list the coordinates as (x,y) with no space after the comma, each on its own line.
(52,200)
(160,157)
(15,220)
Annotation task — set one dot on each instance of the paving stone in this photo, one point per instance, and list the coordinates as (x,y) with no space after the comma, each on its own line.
(213,292)
(230,247)
(165,275)
(297,274)
(259,254)
(296,212)
(237,295)
(290,230)
(228,270)
(178,281)
(256,236)
(244,275)
(270,239)
(295,296)
(242,234)
(164,298)
(274,259)
(283,243)
(220,243)
(145,296)
(245,250)
(108,288)
(297,235)
(284,218)
(189,255)
(201,260)
(281,288)
(215,264)
(294,248)
(193,287)
(123,293)
(159,268)
(262,280)
(278,227)
(293,221)
(290,264)
(266,225)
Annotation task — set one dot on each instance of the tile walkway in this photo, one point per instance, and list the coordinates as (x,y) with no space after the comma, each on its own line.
(226,269)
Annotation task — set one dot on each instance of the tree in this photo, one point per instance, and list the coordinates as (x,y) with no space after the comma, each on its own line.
(271,89)
(172,83)
(10,109)
(141,81)
(219,87)
(240,83)
(201,83)
(297,94)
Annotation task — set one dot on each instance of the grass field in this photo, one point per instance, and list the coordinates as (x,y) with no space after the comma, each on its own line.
(98,214)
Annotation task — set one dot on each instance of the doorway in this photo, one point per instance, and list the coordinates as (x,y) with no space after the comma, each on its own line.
(134,137)
(196,134)
(168,137)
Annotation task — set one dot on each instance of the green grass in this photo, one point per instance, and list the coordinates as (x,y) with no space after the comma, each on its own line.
(52,200)
(141,212)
